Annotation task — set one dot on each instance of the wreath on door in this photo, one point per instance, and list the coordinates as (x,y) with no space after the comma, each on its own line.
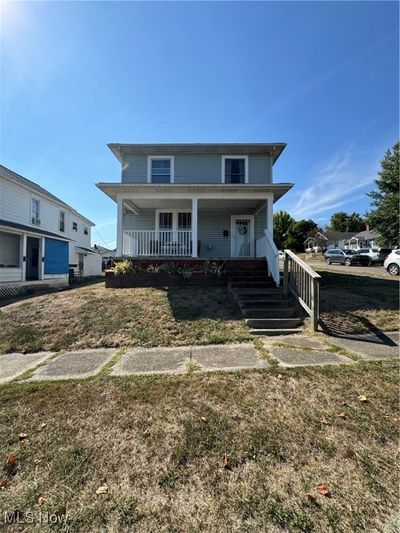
(242,230)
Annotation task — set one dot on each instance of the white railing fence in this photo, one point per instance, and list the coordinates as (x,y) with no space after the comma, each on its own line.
(303,283)
(265,247)
(176,243)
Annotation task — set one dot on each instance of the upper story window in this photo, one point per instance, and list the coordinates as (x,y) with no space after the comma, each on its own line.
(74,226)
(35,211)
(235,169)
(62,221)
(160,169)
(86,230)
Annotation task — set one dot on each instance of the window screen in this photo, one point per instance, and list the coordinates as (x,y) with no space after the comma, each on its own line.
(10,246)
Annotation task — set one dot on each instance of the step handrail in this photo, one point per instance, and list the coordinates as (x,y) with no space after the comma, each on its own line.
(272,257)
(303,282)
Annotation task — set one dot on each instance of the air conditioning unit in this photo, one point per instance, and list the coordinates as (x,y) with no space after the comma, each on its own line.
(35,220)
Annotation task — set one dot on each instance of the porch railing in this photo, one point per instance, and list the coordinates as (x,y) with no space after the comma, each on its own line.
(265,247)
(303,283)
(175,243)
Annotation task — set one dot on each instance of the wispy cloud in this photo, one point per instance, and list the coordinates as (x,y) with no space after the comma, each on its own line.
(334,183)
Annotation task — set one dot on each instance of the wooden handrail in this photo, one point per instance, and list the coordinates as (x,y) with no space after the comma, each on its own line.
(303,282)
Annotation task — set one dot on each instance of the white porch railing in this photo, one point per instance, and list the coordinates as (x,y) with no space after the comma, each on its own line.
(303,283)
(265,247)
(155,243)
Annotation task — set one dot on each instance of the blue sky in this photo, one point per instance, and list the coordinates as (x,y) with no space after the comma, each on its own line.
(320,76)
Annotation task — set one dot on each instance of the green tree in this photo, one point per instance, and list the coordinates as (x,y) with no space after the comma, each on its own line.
(384,217)
(342,221)
(298,233)
(282,224)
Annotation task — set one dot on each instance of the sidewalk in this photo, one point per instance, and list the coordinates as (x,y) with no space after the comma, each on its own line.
(285,351)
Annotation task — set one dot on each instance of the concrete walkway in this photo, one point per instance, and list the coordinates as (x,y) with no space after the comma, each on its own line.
(287,351)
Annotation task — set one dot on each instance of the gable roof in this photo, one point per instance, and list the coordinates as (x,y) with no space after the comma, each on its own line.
(367,234)
(28,184)
(273,150)
(331,235)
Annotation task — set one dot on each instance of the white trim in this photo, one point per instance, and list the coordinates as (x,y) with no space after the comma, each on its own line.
(174,217)
(251,218)
(150,158)
(34,197)
(195,208)
(246,166)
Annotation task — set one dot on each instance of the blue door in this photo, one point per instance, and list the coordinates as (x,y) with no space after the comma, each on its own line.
(55,257)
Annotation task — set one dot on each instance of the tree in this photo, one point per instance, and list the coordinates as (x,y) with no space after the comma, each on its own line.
(384,217)
(298,233)
(342,221)
(282,223)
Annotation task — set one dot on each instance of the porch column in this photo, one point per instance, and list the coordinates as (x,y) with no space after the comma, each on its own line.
(120,208)
(23,258)
(42,251)
(194,226)
(269,215)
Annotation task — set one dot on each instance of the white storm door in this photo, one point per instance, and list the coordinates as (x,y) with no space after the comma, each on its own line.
(242,236)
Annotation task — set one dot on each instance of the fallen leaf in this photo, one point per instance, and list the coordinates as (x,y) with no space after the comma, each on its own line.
(11,459)
(311,498)
(280,376)
(225,462)
(344,402)
(41,500)
(3,483)
(103,489)
(37,461)
(203,418)
(323,420)
(363,398)
(23,436)
(342,415)
(323,489)
(349,453)
(43,425)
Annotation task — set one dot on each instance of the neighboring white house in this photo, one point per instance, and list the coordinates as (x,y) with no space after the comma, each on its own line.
(325,240)
(41,237)
(364,239)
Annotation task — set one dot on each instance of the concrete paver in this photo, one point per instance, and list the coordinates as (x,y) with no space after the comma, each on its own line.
(293,357)
(227,356)
(298,341)
(13,365)
(73,365)
(152,360)
(370,346)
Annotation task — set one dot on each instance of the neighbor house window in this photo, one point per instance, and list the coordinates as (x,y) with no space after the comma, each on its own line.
(161,170)
(74,226)
(62,221)
(234,169)
(10,246)
(86,231)
(35,211)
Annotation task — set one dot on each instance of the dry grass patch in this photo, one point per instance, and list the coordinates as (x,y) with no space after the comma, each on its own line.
(358,304)
(216,452)
(93,317)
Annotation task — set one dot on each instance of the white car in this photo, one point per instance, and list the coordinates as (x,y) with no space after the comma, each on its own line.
(392,263)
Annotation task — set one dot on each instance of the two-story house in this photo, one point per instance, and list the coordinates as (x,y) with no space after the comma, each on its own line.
(207,201)
(41,237)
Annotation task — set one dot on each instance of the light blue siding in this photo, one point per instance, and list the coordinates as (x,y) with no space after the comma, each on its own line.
(56,256)
(197,168)
(211,225)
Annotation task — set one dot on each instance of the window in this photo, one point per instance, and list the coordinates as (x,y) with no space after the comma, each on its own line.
(174,220)
(35,211)
(86,230)
(185,221)
(165,221)
(74,226)
(234,169)
(160,169)
(62,221)
(10,246)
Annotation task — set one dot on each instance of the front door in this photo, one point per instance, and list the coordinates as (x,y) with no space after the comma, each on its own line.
(242,236)
(32,258)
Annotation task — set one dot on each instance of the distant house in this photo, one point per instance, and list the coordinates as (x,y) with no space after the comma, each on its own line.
(41,237)
(106,254)
(325,240)
(364,239)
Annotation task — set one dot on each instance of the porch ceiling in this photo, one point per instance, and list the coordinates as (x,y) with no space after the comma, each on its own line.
(208,204)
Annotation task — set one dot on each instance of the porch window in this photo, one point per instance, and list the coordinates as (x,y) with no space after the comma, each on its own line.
(234,169)
(165,221)
(161,170)
(10,246)
(185,221)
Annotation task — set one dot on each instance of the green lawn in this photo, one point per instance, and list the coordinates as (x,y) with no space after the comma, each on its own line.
(216,452)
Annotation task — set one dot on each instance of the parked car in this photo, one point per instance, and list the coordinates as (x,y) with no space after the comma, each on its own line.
(392,263)
(348,258)
(372,253)
(383,253)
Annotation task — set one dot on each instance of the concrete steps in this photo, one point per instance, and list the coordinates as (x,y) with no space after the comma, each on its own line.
(263,305)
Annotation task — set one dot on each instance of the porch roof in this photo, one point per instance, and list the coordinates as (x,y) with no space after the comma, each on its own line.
(5,224)
(172,191)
